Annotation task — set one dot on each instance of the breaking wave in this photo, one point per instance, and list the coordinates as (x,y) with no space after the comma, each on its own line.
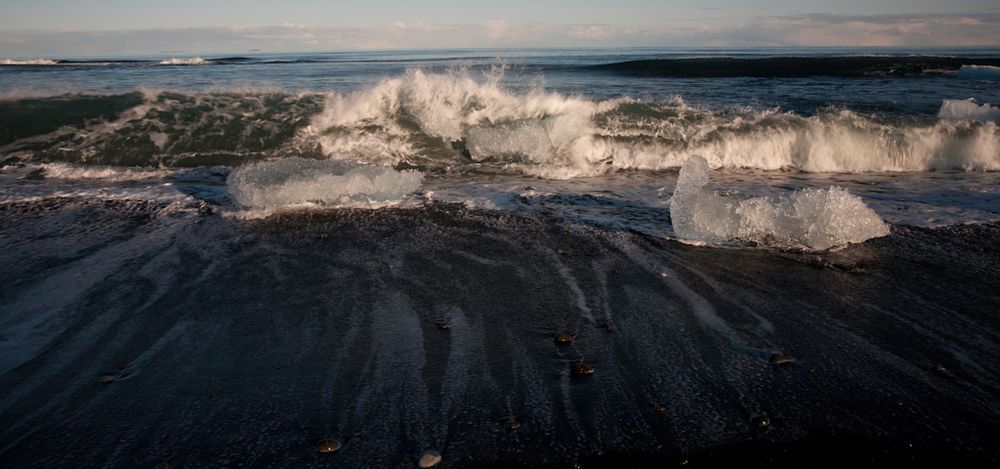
(810,218)
(184,61)
(420,118)
(457,121)
(968,109)
(107,173)
(28,62)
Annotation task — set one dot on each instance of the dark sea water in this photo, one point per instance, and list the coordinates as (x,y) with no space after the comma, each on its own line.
(221,260)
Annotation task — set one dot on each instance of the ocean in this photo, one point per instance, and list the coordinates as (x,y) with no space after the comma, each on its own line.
(540,257)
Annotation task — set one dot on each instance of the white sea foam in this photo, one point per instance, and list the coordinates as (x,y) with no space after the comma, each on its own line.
(184,61)
(377,123)
(109,173)
(979,72)
(968,109)
(557,136)
(28,62)
(298,181)
(451,120)
(809,218)
(836,141)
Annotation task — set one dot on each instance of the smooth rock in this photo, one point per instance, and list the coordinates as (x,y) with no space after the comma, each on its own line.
(328,446)
(780,359)
(582,368)
(445,324)
(430,458)
(563,338)
(760,421)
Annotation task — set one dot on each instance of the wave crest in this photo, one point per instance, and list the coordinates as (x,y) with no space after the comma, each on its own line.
(184,61)
(28,62)
(968,109)
(454,121)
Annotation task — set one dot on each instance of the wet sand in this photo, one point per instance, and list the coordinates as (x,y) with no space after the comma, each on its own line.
(136,333)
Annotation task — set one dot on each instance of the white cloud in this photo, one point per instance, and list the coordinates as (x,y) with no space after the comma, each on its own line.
(800,30)
(496,29)
(872,30)
(589,31)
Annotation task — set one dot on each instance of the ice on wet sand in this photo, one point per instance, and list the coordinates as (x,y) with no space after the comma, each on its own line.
(299,181)
(808,218)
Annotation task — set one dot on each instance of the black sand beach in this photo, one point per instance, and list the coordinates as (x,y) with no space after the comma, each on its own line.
(140,333)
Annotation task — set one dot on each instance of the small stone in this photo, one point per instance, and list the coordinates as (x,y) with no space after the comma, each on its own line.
(661,409)
(940,369)
(513,425)
(582,368)
(107,379)
(563,338)
(664,274)
(445,324)
(328,446)
(430,458)
(760,421)
(780,359)
(608,327)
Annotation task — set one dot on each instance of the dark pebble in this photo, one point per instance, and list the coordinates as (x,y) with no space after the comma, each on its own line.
(582,368)
(328,446)
(780,359)
(563,338)
(760,421)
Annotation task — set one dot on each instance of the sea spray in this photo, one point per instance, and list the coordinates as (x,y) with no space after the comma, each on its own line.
(448,121)
(450,118)
(968,109)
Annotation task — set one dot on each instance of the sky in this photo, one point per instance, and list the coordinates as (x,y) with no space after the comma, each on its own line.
(121,27)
